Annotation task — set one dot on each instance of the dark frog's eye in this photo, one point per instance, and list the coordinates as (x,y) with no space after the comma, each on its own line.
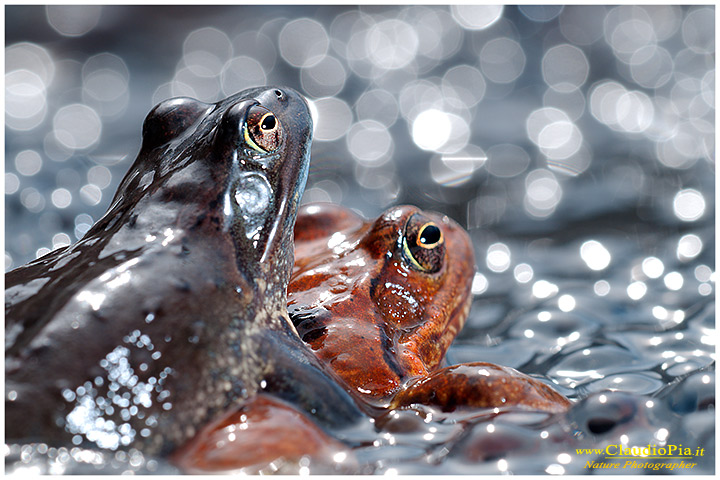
(423,244)
(263,131)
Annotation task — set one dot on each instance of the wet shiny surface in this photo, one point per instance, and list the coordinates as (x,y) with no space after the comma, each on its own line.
(362,300)
(258,438)
(581,161)
(379,301)
(173,306)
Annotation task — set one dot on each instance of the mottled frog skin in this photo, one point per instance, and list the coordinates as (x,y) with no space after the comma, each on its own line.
(381,301)
(172,308)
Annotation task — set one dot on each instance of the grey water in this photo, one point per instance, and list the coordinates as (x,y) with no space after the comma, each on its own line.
(576,145)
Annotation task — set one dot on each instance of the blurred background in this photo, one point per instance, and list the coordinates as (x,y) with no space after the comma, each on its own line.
(575,143)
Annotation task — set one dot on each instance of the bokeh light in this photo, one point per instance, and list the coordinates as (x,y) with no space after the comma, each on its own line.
(465,84)
(595,255)
(689,205)
(303,42)
(324,79)
(105,84)
(543,193)
(523,272)
(579,25)
(498,257)
(502,60)
(541,13)
(370,143)
(565,68)
(507,160)
(379,105)
(28,163)
(476,17)
(697,28)
(333,118)
(636,290)
(61,198)
(25,100)
(73,20)
(392,44)
(77,126)
(241,72)
(12,183)
(576,143)
(431,129)
(689,246)
(653,267)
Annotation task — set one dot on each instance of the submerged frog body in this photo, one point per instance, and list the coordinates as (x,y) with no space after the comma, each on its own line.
(172,308)
(380,302)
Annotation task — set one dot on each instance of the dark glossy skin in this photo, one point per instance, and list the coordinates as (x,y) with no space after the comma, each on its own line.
(172,308)
(375,300)
(380,304)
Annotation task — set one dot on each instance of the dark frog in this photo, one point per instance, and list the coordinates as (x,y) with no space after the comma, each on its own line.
(172,308)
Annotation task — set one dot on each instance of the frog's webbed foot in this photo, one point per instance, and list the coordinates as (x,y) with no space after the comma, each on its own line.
(264,435)
(481,385)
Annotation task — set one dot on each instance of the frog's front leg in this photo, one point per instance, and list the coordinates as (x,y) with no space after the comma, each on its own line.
(285,421)
(481,385)
(263,431)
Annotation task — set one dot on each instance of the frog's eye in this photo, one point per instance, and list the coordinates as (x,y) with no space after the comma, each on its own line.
(262,130)
(423,244)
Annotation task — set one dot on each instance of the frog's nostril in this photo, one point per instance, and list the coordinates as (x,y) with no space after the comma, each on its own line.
(279,94)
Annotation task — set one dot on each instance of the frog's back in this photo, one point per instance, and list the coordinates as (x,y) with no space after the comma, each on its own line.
(92,336)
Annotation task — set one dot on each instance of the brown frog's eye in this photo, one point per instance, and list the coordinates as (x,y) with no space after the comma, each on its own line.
(423,244)
(263,132)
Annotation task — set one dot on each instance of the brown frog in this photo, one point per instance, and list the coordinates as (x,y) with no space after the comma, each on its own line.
(381,302)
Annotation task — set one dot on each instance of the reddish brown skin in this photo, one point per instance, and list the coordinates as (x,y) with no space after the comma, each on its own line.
(482,385)
(263,431)
(383,326)
(360,305)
